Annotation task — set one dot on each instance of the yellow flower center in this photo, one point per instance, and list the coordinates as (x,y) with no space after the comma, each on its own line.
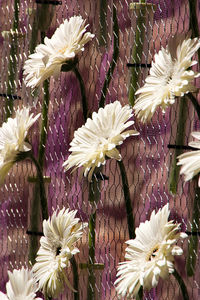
(152,253)
(63,49)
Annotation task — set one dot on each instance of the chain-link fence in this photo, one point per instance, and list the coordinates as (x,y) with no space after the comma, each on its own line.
(147,158)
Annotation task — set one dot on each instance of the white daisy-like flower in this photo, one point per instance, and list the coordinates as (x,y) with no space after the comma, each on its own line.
(21,286)
(61,232)
(169,77)
(190,161)
(97,139)
(150,255)
(67,41)
(12,139)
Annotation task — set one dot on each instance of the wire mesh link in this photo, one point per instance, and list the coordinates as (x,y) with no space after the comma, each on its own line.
(147,157)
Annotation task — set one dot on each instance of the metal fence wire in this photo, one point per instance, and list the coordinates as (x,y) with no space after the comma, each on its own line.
(147,158)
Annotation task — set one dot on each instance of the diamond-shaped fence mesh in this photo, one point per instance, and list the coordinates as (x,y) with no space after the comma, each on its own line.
(147,158)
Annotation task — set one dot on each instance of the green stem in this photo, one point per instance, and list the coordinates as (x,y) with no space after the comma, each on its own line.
(103,34)
(195,103)
(137,49)
(43,16)
(194,26)
(40,178)
(34,221)
(194,239)
(129,209)
(180,136)
(12,66)
(41,22)
(114,58)
(182,285)
(16,15)
(193,18)
(76,278)
(71,66)
(38,201)
(94,196)
(140,294)
(43,133)
(39,185)
(34,35)
(42,145)
(183,113)
(91,244)
(82,87)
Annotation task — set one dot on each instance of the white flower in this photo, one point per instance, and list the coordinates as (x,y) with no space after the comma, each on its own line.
(67,41)
(12,139)
(3,296)
(97,139)
(169,77)
(150,255)
(21,286)
(190,161)
(61,232)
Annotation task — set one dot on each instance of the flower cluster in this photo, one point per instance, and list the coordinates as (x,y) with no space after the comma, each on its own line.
(150,255)
(61,232)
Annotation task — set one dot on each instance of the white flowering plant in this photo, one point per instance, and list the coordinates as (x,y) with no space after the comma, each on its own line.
(103,136)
